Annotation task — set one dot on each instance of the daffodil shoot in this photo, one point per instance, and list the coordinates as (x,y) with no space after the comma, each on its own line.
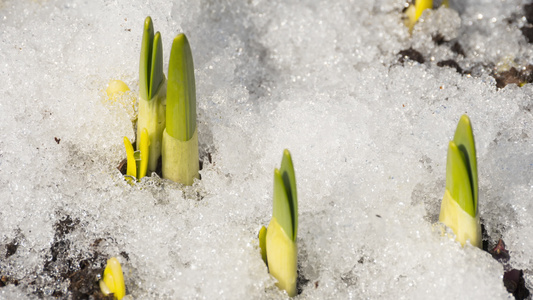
(180,138)
(415,10)
(137,161)
(279,242)
(113,279)
(459,207)
(115,88)
(152,92)
(262,243)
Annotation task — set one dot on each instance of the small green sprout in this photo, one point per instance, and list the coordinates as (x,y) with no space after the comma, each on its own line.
(113,280)
(180,138)
(459,208)
(279,242)
(152,92)
(137,162)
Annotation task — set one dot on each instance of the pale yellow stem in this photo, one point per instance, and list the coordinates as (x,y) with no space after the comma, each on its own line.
(465,227)
(180,159)
(152,116)
(282,257)
(131,169)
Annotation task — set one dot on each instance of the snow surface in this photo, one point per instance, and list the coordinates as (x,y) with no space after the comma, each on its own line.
(368,137)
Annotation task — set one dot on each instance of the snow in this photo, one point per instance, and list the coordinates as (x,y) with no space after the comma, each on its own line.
(368,137)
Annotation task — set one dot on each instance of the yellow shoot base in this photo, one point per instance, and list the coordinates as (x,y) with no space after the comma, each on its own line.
(463,224)
(180,159)
(282,257)
(113,280)
(152,116)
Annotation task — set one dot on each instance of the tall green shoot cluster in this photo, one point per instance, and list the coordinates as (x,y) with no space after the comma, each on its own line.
(459,207)
(152,92)
(167,112)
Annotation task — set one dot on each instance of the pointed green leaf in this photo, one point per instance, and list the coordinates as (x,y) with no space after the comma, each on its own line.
(156,70)
(464,139)
(289,180)
(281,208)
(146,58)
(458,180)
(181,91)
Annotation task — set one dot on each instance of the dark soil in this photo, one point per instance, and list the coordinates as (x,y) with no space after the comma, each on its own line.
(528,10)
(410,54)
(515,284)
(513,279)
(439,39)
(11,248)
(507,77)
(301,281)
(527,30)
(82,275)
(5,280)
(528,33)
(450,63)
(516,76)
(513,76)
(458,49)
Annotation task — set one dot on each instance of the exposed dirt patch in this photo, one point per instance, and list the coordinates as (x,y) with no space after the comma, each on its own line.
(514,76)
(450,63)
(80,272)
(513,279)
(410,54)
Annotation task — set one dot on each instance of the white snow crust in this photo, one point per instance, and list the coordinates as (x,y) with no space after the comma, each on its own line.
(368,137)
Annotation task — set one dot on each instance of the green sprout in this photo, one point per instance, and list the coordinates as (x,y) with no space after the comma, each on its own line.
(459,208)
(152,92)
(137,161)
(180,138)
(113,280)
(278,246)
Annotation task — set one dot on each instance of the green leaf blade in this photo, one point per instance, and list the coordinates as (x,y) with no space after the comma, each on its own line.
(156,72)
(281,207)
(464,139)
(458,180)
(181,91)
(146,58)
(289,181)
